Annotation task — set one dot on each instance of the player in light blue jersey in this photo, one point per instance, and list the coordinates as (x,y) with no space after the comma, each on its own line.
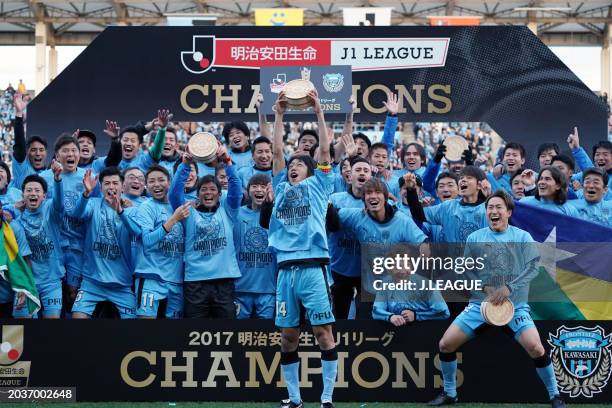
(262,159)
(42,221)
(170,158)
(551,193)
(210,256)
(344,248)
(131,143)
(256,288)
(403,306)
(159,264)
(107,269)
(513,160)
(297,234)
(73,229)
(592,207)
(29,156)
(87,150)
(236,135)
(511,262)
(602,158)
(191,192)
(134,186)
(8,195)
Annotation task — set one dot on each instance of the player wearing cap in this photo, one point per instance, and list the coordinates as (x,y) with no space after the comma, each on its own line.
(297,235)
(107,268)
(256,288)
(210,256)
(159,263)
(511,262)
(41,220)
(87,150)
(592,207)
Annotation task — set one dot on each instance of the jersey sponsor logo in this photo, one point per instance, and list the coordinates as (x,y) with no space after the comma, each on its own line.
(581,357)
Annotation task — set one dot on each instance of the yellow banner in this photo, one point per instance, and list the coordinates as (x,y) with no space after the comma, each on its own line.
(279,17)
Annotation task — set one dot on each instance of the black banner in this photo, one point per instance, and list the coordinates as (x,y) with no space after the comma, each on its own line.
(197,360)
(504,76)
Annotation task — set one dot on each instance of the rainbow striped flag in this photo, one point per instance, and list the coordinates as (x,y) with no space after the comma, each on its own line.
(575,279)
(15,270)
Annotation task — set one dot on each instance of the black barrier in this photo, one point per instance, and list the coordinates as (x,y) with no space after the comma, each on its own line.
(504,76)
(197,360)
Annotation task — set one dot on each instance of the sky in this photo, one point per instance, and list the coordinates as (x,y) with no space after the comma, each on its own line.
(17,62)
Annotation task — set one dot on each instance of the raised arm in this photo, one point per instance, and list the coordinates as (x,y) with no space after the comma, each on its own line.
(19,147)
(113,158)
(82,210)
(582,158)
(264,126)
(160,139)
(234,185)
(176,195)
(324,151)
(278,158)
(58,188)
(392,106)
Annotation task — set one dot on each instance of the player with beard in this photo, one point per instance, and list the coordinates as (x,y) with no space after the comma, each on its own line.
(297,234)
(592,207)
(602,158)
(256,288)
(344,249)
(41,220)
(8,195)
(134,185)
(551,192)
(107,269)
(159,263)
(191,193)
(513,160)
(261,151)
(507,273)
(131,143)
(29,157)
(210,256)
(87,150)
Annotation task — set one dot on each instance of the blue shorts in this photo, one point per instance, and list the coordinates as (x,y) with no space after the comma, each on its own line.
(6,292)
(151,292)
(73,262)
(50,295)
(257,305)
(91,293)
(303,286)
(470,319)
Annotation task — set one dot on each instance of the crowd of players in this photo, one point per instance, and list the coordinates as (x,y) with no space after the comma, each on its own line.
(259,233)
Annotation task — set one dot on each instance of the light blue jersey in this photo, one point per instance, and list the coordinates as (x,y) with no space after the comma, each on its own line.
(161,253)
(11,196)
(21,171)
(107,248)
(599,213)
(256,262)
(242,159)
(136,200)
(426,304)
(458,220)
(502,183)
(245,174)
(344,248)
(297,227)
(209,250)
(96,165)
(565,208)
(507,256)
(43,232)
